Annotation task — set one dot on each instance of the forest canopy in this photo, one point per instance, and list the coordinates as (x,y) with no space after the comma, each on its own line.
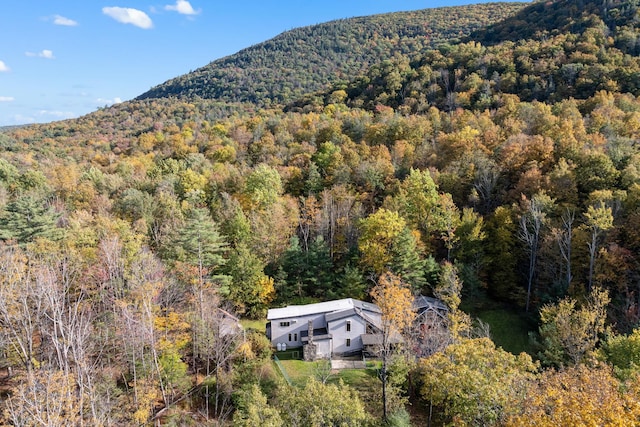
(491,167)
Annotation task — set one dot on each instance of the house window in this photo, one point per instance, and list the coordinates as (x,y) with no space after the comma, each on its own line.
(295,337)
(348,342)
(284,324)
(289,337)
(348,325)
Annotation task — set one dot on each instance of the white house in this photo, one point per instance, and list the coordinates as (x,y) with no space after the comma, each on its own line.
(332,327)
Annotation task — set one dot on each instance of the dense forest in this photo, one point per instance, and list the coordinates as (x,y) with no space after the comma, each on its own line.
(308,59)
(496,168)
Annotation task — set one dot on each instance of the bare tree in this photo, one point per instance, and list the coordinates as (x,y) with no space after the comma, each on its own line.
(529,233)
(46,292)
(430,333)
(308,217)
(338,211)
(564,237)
(137,333)
(44,398)
(485,183)
(21,306)
(218,338)
(67,323)
(112,264)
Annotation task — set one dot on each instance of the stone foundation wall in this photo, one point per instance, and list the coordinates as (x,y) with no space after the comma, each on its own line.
(309,352)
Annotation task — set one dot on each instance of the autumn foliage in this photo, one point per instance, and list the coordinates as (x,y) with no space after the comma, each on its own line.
(491,168)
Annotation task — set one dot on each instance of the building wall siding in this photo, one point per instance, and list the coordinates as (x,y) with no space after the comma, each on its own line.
(280,334)
(338,330)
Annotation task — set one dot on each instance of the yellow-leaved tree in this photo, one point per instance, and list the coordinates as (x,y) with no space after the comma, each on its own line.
(569,333)
(474,383)
(579,396)
(394,298)
(379,231)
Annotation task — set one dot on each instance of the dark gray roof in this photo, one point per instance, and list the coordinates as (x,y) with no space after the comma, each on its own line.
(316,331)
(376,339)
(339,314)
(422,303)
(319,334)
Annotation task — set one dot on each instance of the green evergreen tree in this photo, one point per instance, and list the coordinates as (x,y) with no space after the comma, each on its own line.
(27,218)
(319,269)
(200,244)
(406,261)
(308,273)
(246,291)
(501,256)
(199,239)
(352,284)
(313,183)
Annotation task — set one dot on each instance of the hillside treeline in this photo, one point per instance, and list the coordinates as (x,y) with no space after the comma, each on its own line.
(531,203)
(308,59)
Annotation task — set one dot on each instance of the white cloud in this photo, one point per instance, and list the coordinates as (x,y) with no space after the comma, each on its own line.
(61,20)
(57,114)
(183,7)
(7,98)
(4,67)
(103,101)
(19,119)
(127,15)
(46,53)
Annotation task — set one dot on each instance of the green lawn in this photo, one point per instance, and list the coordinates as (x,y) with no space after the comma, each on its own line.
(300,371)
(258,325)
(509,330)
(359,379)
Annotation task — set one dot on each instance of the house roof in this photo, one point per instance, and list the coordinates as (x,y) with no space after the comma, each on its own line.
(364,314)
(321,307)
(316,332)
(422,303)
(334,315)
(319,334)
(376,339)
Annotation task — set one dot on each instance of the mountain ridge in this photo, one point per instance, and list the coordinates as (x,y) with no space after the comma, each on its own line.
(556,17)
(306,59)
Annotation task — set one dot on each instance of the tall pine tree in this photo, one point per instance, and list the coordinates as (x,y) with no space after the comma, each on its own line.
(27,218)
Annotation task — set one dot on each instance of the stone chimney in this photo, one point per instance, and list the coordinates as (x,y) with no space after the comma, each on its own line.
(309,351)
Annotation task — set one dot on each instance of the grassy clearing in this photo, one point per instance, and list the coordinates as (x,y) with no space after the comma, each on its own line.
(359,379)
(299,371)
(509,330)
(258,325)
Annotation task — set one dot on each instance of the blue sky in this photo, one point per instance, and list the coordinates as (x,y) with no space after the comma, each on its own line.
(61,58)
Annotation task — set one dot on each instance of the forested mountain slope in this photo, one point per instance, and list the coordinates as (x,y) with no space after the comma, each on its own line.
(549,18)
(306,59)
(594,48)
